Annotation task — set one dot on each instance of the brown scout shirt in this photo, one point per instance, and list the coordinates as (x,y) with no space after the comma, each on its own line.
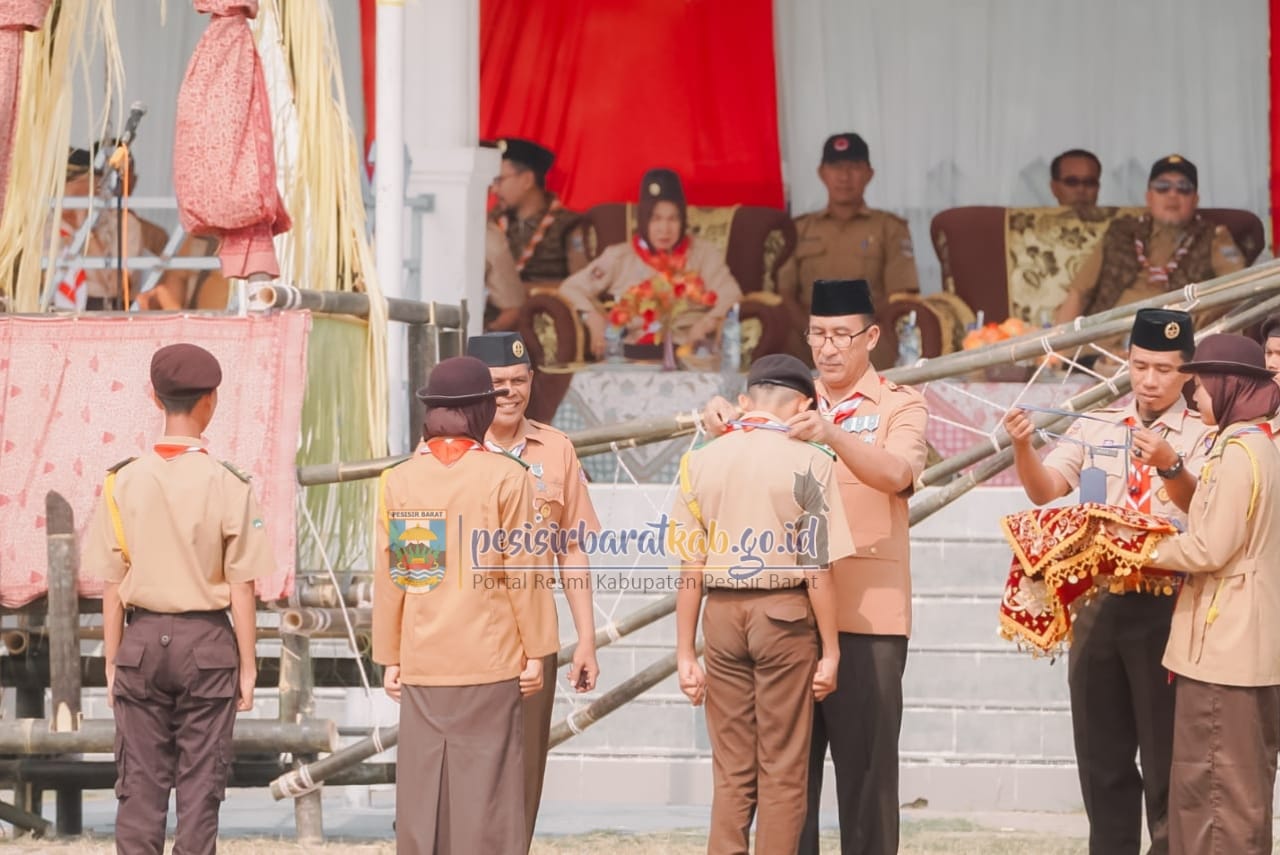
(453,625)
(1182,429)
(619,268)
(191,527)
(874,245)
(1224,626)
(754,492)
(560,503)
(553,258)
(873,588)
(1224,256)
(501,281)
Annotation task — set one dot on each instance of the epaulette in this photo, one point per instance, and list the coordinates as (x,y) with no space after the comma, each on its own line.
(548,428)
(510,456)
(122,464)
(236,472)
(826,449)
(891,215)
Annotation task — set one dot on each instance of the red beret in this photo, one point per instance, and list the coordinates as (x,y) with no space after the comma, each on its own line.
(180,370)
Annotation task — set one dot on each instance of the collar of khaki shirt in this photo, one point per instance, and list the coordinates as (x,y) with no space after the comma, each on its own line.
(868,386)
(528,431)
(192,441)
(1174,418)
(769,418)
(827,214)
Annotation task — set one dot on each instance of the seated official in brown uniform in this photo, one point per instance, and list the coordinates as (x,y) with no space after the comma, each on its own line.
(456,624)
(661,246)
(179,539)
(775,507)
(847,240)
(1224,646)
(1122,705)
(1169,247)
(560,504)
(1074,179)
(538,228)
(876,429)
(1271,343)
(504,292)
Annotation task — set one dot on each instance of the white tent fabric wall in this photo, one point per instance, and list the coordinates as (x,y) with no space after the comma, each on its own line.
(965,102)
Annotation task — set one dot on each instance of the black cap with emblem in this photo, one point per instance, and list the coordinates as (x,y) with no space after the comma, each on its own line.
(661,185)
(846,146)
(833,298)
(1163,330)
(1175,163)
(526,153)
(499,349)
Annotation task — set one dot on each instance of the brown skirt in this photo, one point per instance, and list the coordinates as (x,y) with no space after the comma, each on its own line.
(460,770)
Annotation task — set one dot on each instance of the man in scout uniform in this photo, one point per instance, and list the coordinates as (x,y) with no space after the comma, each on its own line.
(1167,248)
(877,431)
(535,223)
(560,504)
(848,240)
(1271,343)
(456,624)
(1121,700)
(775,508)
(177,669)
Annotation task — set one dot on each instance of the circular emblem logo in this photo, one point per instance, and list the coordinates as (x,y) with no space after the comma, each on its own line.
(502,145)
(841,144)
(1172,330)
(1174,158)
(654,189)
(517,349)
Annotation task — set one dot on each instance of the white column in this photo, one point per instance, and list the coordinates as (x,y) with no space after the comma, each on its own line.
(441,128)
(389,218)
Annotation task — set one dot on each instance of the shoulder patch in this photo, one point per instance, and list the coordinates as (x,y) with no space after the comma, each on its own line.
(236,472)
(122,464)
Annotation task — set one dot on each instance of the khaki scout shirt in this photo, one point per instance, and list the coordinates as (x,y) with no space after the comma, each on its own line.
(1224,255)
(873,588)
(619,268)
(560,504)
(874,245)
(1180,427)
(765,505)
(447,610)
(1225,628)
(501,281)
(190,528)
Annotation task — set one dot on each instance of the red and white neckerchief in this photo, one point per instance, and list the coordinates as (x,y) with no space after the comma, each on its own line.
(1161,274)
(843,410)
(174,450)
(504,222)
(747,424)
(73,287)
(449,449)
(1138,494)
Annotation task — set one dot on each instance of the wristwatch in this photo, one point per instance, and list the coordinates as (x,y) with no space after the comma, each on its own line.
(1173,471)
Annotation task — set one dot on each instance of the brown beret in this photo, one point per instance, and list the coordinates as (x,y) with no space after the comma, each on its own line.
(180,370)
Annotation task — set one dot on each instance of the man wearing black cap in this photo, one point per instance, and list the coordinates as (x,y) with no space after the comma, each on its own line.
(536,225)
(1121,699)
(456,623)
(1271,343)
(1165,249)
(848,240)
(177,670)
(560,503)
(764,664)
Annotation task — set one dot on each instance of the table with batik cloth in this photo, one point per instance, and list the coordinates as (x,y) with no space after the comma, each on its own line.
(607,394)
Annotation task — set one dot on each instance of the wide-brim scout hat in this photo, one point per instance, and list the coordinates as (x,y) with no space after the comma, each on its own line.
(184,370)
(1163,330)
(1226,353)
(1175,163)
(458,381)
(782,369)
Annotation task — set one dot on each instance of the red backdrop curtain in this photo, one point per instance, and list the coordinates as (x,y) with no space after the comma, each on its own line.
(615,87)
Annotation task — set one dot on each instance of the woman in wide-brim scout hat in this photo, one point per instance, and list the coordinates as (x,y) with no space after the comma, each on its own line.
(1224,643)
(661,263)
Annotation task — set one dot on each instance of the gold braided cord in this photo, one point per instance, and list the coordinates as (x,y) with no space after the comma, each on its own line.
(54,57)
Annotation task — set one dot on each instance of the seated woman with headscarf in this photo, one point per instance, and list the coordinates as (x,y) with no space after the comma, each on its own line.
(660,247)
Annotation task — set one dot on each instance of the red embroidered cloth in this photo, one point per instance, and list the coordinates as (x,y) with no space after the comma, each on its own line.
(1061,556)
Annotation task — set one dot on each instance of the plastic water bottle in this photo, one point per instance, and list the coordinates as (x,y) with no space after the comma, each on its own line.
(613,344)
(909,342)
(731,342)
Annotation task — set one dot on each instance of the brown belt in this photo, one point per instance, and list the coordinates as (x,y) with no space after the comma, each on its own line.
(133,612)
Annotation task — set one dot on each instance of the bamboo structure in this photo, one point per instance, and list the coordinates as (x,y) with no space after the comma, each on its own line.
(97,736)
(356,304)
(297,705)
(306,778)
(64,645)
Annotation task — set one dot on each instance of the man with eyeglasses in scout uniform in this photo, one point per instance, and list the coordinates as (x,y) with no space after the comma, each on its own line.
(876,429)
(1121,695)
(1165,249)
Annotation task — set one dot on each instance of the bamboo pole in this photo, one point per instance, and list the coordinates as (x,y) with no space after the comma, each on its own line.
(319,592)
(97,736)
(296,705)
(307,777)
(325,623)
(64,646)
(633,622)
(15,641)
(101,774)
(25,820)
(278,296)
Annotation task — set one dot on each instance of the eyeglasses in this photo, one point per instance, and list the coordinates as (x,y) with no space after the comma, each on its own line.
(1184,188)
(1074,181)
(840,340)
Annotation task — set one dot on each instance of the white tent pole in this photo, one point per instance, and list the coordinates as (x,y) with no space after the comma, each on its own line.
(389,203)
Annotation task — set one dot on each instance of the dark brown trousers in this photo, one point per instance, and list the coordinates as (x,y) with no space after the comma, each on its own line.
(761,649)
(537,736)
(176,686)
(1225,743)
(861,720)
(460,770)
(1122,708)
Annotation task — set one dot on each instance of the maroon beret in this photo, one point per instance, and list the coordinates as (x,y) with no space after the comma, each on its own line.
(180,370)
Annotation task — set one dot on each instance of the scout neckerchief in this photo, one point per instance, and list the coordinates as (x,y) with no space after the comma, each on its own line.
(538,234)
(840,413)
(173,450)
(1138,494)
(1161,274)
(750,423)
(449,449)
(670,263)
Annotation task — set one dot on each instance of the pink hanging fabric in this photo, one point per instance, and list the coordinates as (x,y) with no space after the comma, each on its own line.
(16,18)
(224,168)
